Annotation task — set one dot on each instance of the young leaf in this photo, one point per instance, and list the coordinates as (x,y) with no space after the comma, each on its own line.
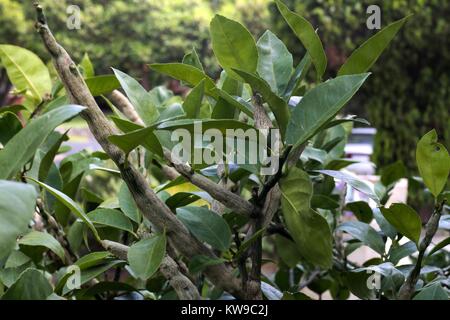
(186,73)
(363,58)
(278,106)
(42,239)
(354,181)
(87,67)
(206,226)
(305,32)
(146,256)
(321,105)
(309,229)
(193,101)
(26,71)
(17,204)
(297,76)
(405,219)
(364,233)
(112,218)
(70,204)
(275,62)
(191,58)
(21,148)
(233,45)
(102,84)
(433,161)
(127,204)
(139,97)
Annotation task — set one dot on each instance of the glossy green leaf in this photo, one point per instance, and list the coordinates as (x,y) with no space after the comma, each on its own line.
(353,181)
(112,218)
(87,67)
(278,106)
(139,97)
(104,84)
(26,71)
(219,124)
(17,205)
(321,105)
(364,233)
(21,148)
(233,45)
(32,285)
(186,73)
(361,210)
(193,101)
(309,230)
(309,38)
(392,173)
(199,263)
(432,292)
(70,204)
(236,102)
(275,62)
(297,76)
(131,140)
(146,256)
(433,161)
(206,226)
(93,259)
(127,204)
(42,239)
(363,58)
(191,58)
(405,219)
(403,251)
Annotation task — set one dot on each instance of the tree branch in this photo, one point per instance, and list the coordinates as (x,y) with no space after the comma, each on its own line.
(184,288)
(150,205)
(408,288)
(124,105)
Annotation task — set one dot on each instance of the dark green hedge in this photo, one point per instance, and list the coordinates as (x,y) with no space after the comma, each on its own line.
(409,92)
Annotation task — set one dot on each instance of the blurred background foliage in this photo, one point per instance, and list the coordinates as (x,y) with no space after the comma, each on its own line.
(407,95)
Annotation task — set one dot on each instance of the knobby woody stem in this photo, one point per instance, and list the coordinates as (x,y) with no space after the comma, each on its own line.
(182,285)
(150,205)
(408,288)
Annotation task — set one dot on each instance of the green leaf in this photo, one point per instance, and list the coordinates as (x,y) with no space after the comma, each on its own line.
(112,218)
(353,181)
(86,65)
(309,230)
(32,285)
(288,251)
(139,98)
(26,71)
(146,256)
(93,259)
(200,263)
(305,32)
(236,102)
(432,292)
(10,125)
(363,58)
(278,106)
(364,233)
(233,45)
(206,226)
(321,105)
(17,205)
(405,219)
(361,210)
(193,101)
(392,173)
(440,246)
(275,62)
(42,239)
(433,161)
(104,84)
(191,58)
(127,204)
(186,73)
(70,204)
(21,148)
(297,76)
(219,124)
(400,252)
(131,140)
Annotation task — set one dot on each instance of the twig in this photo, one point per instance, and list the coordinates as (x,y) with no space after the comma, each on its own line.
(408,288)
(124,105)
